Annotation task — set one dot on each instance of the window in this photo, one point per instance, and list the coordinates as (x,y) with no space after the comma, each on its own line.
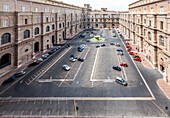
(36,31)
(162,40)
(36,20)
(149,35)
(144,11)
(60,25)
(96,25)
(52,19)
(161,9)
(144,32)
(26,21)
(45,10)
(96,20)
(53,27)
(151,10)
(161,25)
(5,8)
(23,9)
(150,24)
(6,38)
(26,34)
(36,9)
(144,21)
(26,50)
(47,19)
(63,24)
(52,10)
(47,28)
(5,23)
(67,23)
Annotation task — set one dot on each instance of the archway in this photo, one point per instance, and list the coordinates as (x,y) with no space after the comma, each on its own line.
(5,60)
(36,47)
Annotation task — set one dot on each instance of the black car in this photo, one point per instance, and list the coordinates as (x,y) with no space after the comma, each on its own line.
(80,59)
(74,56)
(112,44)
(82,36)
(20,73)
(117,68)
(51,52)
(103,45)
(97,46)
(9,80)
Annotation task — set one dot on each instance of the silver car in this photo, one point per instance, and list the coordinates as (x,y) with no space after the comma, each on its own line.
(72,59)
(117,44)
(40,59)
(66,67)
(119,53)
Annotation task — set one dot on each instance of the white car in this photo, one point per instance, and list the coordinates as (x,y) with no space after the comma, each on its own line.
(119,53)
(46,54)
(40,59)
(72,59)
(66,67)
(117,44)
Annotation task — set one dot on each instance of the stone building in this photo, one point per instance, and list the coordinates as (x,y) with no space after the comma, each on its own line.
(147,24)
(29,27)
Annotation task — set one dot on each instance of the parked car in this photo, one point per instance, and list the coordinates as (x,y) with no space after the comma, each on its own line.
(82,46)
(36,62)
(133,52)
(82,36)
(80,59)
(46,54)
(51,52)
(126,43)
(80,49)
(43,56)
(88,40)
(117,44)
(68,46)
(9,80)
(97,46)
(112,44)
(117,68)
(124,64)
(72,59)
(128,46)
(119,50)
(137,59)
(74,56)
(103,45)
(59,47)
(114,35)
(129,49)
(121,81)
(40,59)
(120,53)
(20,73)
(66,67)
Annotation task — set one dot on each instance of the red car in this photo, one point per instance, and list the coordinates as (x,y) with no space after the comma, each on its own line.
(124,64)
(129,49)
(34,63)
(128,46)
(126,43)
(137,59)
(132,52)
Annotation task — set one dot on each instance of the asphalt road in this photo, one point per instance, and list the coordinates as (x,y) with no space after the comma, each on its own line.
(89,88)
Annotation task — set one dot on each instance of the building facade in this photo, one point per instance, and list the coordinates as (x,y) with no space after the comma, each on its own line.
(29,27)
(147,24)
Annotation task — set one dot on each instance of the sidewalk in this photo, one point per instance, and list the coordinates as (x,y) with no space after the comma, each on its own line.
(164,86)
(25,65)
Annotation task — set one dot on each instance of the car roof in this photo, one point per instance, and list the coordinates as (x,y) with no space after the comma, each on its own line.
(124,62)
(119,78)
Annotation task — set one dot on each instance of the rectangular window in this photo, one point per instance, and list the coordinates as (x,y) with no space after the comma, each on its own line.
(5,7)
(36,9)
(36,20)
(161,23)
(144,21)
(52,10)
(67,23)
(26,21)
(46,19)
(45,10)
(60,25)
(161,9)
(23,9)
(5,23)
(151,10)
(144,11)
(150,23)
(52,19)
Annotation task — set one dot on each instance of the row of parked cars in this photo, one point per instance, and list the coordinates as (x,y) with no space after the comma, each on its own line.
(43,57)
(74,58)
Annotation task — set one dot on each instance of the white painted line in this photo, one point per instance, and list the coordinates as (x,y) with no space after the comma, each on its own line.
(77,98)
(139,71)
(51,65)
(91,77)
(80,65)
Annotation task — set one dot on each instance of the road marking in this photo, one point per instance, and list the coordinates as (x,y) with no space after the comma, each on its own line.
(67,113)
(40,113)
(13,113)
(56,84)
(31,113)
(94,65)
(26,83)
(26,102)
(139,72)
(58,101)
(66,101)
(34,101)
(42,102)
(49,112)
(67,83)
(50,101)
(75,108)
(4,113)
(10,101)
(58,113)
(35,75)
(160,108)
(22,112)
(2,102)
(80,65)
(77,82)
(18,101)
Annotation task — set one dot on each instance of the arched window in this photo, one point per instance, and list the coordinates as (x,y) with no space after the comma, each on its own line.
(5,60)
(47,28)
(162,40)
(6,38)
(36,31)
(53,27)
(149,35)
(26,34)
